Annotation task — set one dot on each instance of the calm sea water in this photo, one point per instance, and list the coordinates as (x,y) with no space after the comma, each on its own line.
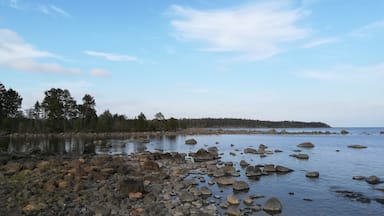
(336,167)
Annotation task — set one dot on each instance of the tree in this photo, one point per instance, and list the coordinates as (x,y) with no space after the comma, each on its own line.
(159,116)
(3,92)
(141,123)
(10,103)
(87,111)
(105,121)
(59,107)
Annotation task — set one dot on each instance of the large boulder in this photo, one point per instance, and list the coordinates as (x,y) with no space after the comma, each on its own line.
(253,172)
(240,186)
(273,206)
(203,155)
(231,199)
(190,141)
(306,145)
(225,181)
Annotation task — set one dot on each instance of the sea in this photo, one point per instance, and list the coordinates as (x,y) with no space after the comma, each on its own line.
(333,193)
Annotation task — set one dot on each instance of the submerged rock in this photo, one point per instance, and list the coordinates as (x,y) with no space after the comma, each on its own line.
(300,156)
(225,181)
(283,169)
(358,178)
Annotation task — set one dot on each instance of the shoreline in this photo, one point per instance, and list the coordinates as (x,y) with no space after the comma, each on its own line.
(194,131)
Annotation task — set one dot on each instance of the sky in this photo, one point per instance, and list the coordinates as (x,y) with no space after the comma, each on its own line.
(304,60)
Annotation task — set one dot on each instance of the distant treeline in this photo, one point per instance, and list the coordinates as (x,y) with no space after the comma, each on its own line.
(246,123)
(60,112)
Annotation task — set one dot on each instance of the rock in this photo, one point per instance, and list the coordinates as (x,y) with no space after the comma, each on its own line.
(269,168)
(203,155)
(243,163)
(283,169)
(356,146)
(190,142)
(240,186)
(224,205)
(225,181)
(308,199)
(250,151)
(233,212)
(205,192)
(344,132)
(150,165)
(135,195)
(358,178)
(248,201)
(273,205)
(232,153)
(63,184)
(12,168)
(306,145)
(186,197)
(373,180)
(230,170)
(232,200)
(278,151)
(131,185)
(300,156)
(253,172)
(314,174)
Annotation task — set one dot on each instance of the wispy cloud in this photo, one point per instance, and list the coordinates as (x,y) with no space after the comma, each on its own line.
(368,29)
(348,73)
(48,9)
(99,72)
(320,42)
(199,91)
(255,31)
(112,56)
(53,10)
(19,55)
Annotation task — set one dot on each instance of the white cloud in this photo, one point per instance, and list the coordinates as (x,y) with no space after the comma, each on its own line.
(199,91)
(254,30)
(320,42)
(99,72)
(17,54)
(349,73)
(14,4)
(112,56)
(53,10)
(368,29)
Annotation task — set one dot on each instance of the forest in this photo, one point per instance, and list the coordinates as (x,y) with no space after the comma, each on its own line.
(60,112)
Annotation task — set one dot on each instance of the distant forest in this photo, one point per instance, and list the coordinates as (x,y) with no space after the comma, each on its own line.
(60,112)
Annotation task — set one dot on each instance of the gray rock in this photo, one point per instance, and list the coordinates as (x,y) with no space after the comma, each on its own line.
(250,151)
(273,205)
(314,174)
(190,142)
(243,163)
(269,168)
(306,145)
(373,180)
(356,146)
(240,186)
(205,192)
(253,172)
(225,181)
(283,169)
(358,178)
(301,156)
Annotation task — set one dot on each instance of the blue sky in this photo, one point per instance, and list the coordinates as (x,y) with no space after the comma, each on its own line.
(307,60)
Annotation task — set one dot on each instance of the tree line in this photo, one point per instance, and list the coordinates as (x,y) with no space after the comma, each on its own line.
(60,112)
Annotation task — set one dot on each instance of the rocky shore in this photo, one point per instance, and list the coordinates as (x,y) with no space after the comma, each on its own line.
(147,183)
